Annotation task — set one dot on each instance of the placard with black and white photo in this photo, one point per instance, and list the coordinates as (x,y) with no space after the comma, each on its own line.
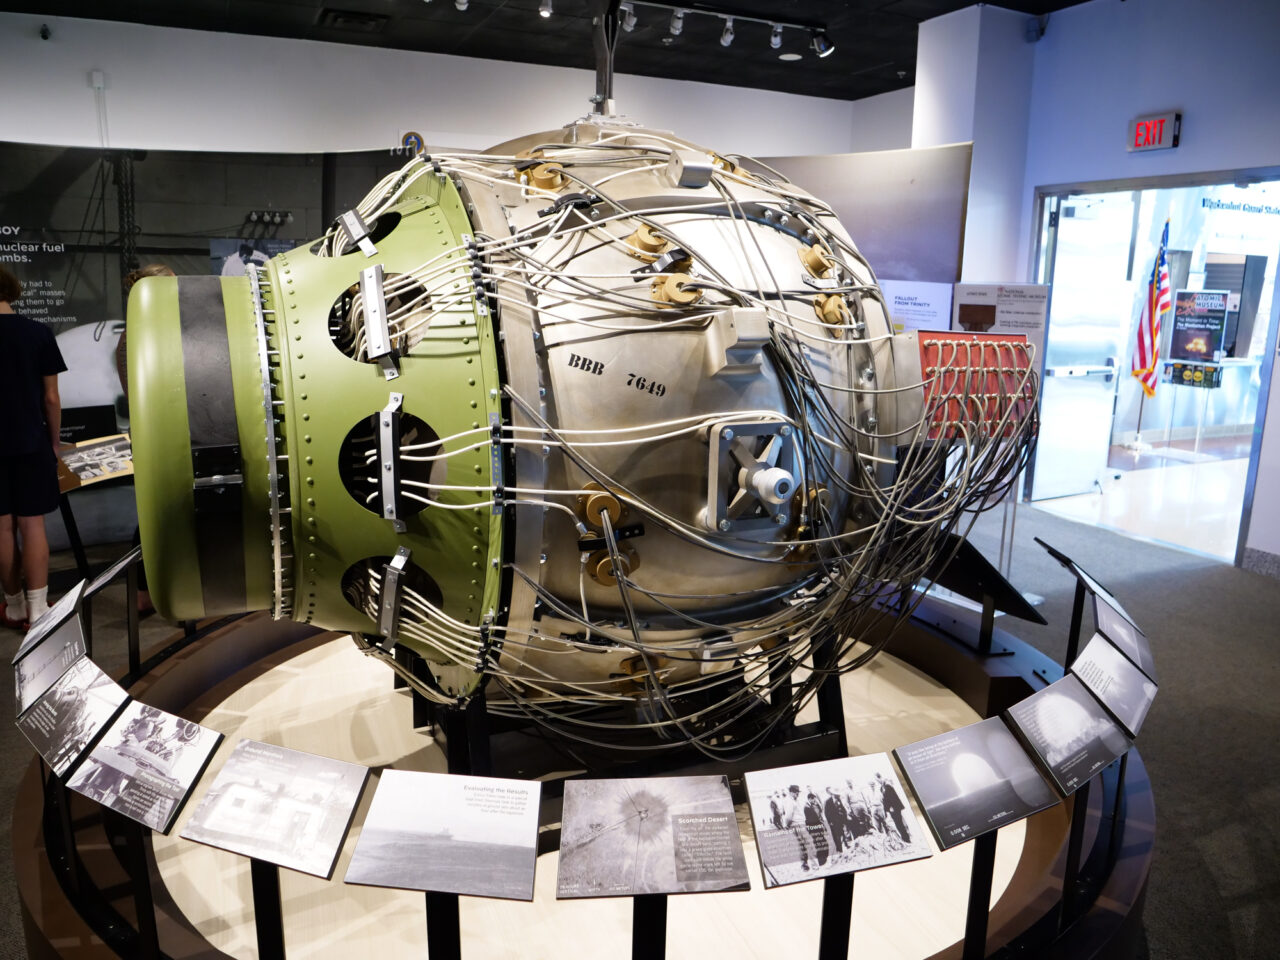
(1122,687)
(284,806)
(1068,731)
(67,604)
(71,714)
(835,816)
(621,838)
(145,765)
(40,667)
(450,834)
(1116,625)
(973,780)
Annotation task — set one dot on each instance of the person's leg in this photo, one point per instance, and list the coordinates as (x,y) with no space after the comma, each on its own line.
(10,570)
(35,565)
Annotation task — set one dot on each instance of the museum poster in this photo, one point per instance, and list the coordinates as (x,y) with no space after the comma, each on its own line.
(1199,324)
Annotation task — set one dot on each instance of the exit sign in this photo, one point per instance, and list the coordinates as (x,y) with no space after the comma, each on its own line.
(1157,132)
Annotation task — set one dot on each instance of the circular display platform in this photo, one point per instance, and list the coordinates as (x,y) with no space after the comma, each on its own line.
(323,696)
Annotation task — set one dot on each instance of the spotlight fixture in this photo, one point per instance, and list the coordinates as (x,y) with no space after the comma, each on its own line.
(726,37)
(461,4)
(677,23)
(544,9)
(628,16)
(775,38)
(821,43)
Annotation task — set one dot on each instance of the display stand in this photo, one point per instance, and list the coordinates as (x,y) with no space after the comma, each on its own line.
(961,568)
(649,926)
(134,837)
(980,877)
(267,913)
(73,536)
(837,914)
(444,933)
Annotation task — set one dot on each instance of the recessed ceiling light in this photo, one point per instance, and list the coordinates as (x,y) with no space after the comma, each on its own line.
(790,56)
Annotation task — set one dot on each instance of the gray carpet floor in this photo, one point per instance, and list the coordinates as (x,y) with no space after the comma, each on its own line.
(1210,741)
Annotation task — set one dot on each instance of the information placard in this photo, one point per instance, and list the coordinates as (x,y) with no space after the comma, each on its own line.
(146,764)
(973,780)
(623,838)
(283,806)
(836,816)
(450,834)
(1069,732)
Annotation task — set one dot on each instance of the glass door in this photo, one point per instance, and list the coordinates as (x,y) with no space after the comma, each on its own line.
(1171,467)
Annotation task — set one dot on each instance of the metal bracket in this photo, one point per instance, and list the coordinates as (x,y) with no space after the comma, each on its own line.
(358,231)
(387,429)
(495,459)
(377,332)
(390,595)
(753,472)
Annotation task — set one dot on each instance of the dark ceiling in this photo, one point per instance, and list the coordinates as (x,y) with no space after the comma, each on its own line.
(875,39)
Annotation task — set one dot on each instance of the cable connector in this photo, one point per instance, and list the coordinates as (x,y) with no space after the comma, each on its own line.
(579,201)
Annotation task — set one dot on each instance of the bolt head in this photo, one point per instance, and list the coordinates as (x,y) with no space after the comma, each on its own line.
(780,519)
(725,525)
(786,430)
(727,434)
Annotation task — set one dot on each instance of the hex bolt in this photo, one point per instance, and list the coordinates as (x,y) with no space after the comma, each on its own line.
(780,519)
(725,526)
(727,435)
(786,430)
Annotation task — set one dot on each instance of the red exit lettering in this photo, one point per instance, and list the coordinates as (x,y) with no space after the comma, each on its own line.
(1148,133)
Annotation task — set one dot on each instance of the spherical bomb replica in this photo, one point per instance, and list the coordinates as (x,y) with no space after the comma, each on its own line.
(607,422)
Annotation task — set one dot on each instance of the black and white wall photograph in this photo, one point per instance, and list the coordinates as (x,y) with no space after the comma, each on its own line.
(1115,625)
(836,816)
(42,664)
(280,805)
(1069,731)
(1121,687)
(146,764)
(652,835)
(451,834)
(71,713)
(973,780)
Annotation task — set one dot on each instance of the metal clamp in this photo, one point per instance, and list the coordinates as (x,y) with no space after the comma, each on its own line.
(390,595)
(387,430)
(377,332)
(358,232)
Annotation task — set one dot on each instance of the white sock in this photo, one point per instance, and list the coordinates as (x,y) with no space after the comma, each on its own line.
(37,603)
(15,606)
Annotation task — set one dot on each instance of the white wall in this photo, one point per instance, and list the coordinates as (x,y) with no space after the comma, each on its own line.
(198,90)
(1101,64)
(946,79)
(1003,98)
(882,122)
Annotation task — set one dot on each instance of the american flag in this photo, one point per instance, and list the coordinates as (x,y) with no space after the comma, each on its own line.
(1146,352)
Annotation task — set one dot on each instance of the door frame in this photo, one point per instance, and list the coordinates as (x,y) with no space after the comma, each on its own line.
(1240,177)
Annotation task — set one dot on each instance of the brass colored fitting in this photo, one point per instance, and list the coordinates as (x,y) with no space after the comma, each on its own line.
(546,176)
(600,565)
(673,288)
(816,260)
(646,245)
(832,310)
(600,500)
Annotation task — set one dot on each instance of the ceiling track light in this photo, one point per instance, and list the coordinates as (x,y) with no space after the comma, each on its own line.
(821,43)
(726,37)
(628,13)
(775,38)
(544,9)
(677,23)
